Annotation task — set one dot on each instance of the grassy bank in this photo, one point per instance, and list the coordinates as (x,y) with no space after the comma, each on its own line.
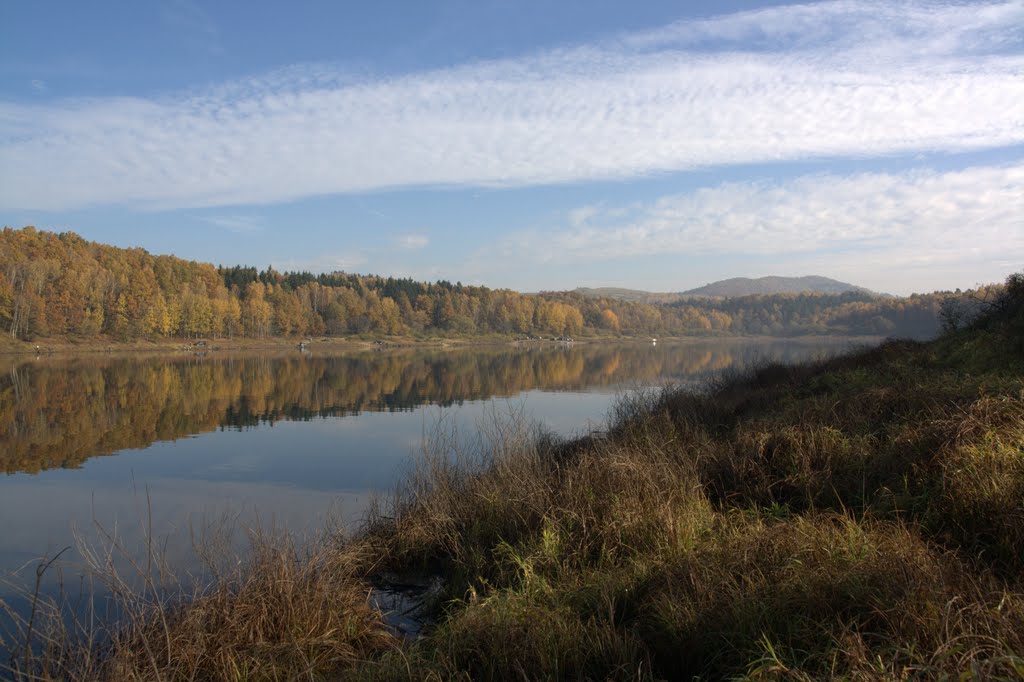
(862,517)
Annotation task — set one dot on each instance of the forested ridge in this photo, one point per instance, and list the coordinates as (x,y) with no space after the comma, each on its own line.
(60,285)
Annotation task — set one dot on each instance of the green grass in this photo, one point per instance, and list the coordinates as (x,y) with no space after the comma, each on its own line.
(857,518)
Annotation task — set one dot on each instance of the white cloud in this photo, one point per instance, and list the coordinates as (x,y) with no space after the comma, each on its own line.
(38,86)
(850,25)
(896,229)
(239,224)
(579,216)
(329,262)
(413,241)
(847,79)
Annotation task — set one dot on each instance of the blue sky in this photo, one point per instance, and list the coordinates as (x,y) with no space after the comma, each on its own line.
(530,145)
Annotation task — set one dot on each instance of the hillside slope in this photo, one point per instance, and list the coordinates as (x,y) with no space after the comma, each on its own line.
(732,288)
(764,286)
(857,518)
(631,295)
(862,518)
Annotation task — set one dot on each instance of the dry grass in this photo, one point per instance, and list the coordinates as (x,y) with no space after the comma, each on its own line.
(859,518)
(278,613)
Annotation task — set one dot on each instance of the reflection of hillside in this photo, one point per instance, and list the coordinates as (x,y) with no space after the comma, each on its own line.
(59,412)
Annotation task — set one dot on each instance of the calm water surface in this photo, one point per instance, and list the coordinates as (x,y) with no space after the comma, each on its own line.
(111,445)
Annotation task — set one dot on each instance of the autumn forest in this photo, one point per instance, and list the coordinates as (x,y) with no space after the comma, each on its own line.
(60,285)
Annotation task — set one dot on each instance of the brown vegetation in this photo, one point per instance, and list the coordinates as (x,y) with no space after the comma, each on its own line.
(857,518)
(61,286)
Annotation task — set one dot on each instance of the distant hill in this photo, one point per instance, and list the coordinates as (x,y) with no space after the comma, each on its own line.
(631,295)
(745,286)
(732,288)
(62,287)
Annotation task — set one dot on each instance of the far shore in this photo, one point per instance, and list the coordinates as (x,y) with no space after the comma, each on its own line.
(63,346)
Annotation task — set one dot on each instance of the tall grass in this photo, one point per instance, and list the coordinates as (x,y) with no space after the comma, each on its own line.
(280,611)
(859,518)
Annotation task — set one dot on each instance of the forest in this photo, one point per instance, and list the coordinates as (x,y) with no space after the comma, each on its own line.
(61,285)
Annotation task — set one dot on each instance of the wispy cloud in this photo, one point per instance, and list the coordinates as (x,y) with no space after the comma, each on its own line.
(413,241)
(862,27)
(194,25)
(239,224)
(889,225)
(847,79)
(38,86)
(347,261)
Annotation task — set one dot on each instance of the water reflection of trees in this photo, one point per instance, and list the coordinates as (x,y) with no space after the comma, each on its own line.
(58,412)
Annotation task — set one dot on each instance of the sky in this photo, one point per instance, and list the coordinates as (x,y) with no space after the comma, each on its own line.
(527,144)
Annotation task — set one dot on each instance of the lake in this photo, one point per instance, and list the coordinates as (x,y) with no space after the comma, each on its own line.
(105,446)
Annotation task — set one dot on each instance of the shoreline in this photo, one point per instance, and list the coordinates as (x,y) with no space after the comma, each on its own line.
(44,347)
(853,517)
(829,515)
